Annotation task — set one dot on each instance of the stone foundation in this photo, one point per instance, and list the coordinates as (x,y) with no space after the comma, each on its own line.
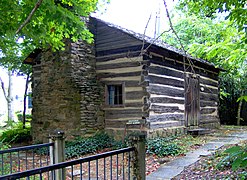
(164,132)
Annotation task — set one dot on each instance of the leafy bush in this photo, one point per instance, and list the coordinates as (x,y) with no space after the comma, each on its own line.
(234,157)
(16,134)
(163,147)
(82,146)
(20,117)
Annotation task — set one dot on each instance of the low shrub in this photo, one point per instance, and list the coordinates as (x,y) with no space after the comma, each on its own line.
(163,147)
(16,134)
(82,146)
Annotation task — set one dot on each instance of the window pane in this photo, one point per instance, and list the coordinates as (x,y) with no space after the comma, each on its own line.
(115,95)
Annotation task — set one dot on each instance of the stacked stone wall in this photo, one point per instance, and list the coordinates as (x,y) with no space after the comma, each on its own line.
(66,94)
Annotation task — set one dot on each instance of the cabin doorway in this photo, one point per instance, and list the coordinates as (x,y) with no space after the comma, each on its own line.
(192,103)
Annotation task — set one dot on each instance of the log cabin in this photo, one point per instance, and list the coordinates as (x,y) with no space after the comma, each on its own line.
(123,82)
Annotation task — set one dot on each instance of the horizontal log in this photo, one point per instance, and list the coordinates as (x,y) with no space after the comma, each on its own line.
(121,60)
(123,124)
(118,50)
(115,44)
(208,90)
(208,82)
(135,94)
(160,90)
(209,97)
(110,57)
(166,117)
(121,79)
(117,65)
(166,109)
(179,66)
(166,100)
(166,124)
(165,81)
(207,119)
(208,110)
(111,114)
(106,37)
(166,71)
(133,104)
(208,103)
(115,74)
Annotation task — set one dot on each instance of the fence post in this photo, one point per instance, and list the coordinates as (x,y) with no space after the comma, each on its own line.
(138,141)
(57,152)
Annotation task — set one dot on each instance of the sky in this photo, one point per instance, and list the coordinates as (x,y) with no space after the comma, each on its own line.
(134,14)
(129,14)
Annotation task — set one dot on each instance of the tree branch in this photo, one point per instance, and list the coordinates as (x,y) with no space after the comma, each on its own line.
(2,86)
(30,16)
(179,40)
(144,34)
(156,39)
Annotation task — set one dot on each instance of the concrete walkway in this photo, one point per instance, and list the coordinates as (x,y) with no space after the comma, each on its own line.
(175,167)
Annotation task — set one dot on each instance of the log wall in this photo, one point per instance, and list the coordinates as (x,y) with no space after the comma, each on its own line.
(166,88)
(113,72)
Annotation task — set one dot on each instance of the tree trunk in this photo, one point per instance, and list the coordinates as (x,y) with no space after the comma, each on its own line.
(24,102)
(9,99)
(239,109)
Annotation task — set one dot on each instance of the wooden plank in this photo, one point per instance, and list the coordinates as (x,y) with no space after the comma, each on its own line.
(165,109)
(125,54)
(154,89)
(115,45)
(165,71)
(166,117)
(115,74)
(166,100)
(122,79)
(204,103)
(207,119)
(158,125)
(120,70)
(120,124)
(169,54)
(179,66)
(165,81)
(118,50)
(120,60)
(208,110)
(133,104)
(208,90)
(135,94)
(111,114)
(208,82)
(117,65)
(209,97)
(132,84)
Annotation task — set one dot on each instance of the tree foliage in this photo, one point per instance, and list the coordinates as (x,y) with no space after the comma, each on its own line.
(30,24)
(236,10)
(40,23)
(53,21)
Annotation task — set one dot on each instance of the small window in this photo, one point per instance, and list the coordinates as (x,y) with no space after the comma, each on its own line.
(114,94)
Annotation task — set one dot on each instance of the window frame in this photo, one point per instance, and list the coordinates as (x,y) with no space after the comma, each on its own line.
(107,94)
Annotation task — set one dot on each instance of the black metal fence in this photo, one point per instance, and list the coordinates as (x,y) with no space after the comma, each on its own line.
(24,158)
(24,163)
(109,165)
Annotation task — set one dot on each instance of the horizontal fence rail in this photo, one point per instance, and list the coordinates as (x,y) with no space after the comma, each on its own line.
(24,158)
(109,165)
